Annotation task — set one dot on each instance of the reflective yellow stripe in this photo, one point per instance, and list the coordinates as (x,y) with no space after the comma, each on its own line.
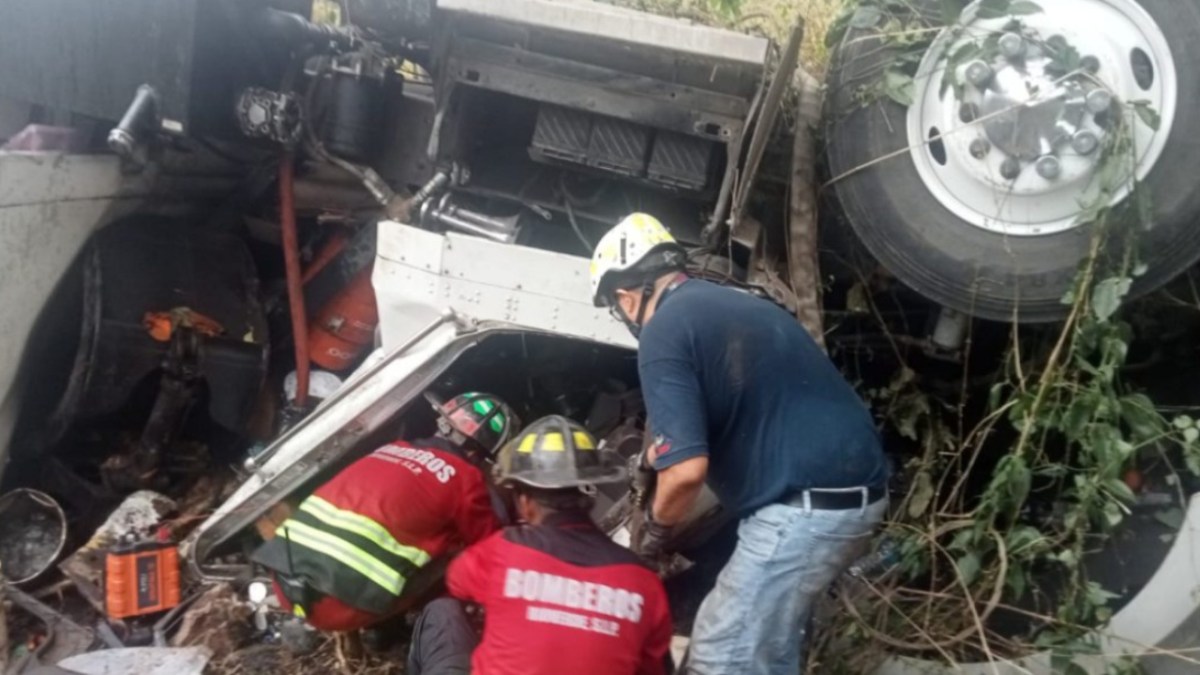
(363,527)
(348,554)
(583,441)
(527,444)
(552,443)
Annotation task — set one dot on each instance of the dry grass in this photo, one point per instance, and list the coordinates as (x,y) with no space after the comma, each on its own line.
(773,18)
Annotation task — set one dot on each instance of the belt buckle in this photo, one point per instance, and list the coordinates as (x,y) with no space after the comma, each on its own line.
(863,491)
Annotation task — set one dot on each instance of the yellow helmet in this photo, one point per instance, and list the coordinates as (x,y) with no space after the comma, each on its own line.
(639,241)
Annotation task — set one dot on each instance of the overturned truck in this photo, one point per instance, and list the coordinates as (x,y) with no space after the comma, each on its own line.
(251,204)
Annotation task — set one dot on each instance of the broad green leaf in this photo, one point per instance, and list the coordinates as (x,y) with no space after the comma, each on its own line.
(922,495)
(899,87)
(1015,581)
(993,9)
(1122,491)
(866,17)
(1183,422)
(839,27)
(1075,669)
(1098,595)
(1023,537)
(1137,410)
(960,56)
(1023,7)
(1107,296)
(1146,112)
(1080,412)
(968,567)
(1113,515)
(995,395)
(1191,434)
(951,10)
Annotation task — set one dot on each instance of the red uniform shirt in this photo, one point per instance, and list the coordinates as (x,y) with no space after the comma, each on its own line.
(425,496)
(562,598)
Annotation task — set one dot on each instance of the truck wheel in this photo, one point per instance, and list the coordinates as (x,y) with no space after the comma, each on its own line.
(973,194)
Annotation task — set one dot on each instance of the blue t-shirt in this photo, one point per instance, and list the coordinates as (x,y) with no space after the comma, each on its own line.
(736,378)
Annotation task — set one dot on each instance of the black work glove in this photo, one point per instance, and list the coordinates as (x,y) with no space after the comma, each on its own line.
(641,480)
(651,538)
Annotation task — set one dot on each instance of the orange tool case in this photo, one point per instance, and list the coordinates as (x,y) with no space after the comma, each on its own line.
(141,579)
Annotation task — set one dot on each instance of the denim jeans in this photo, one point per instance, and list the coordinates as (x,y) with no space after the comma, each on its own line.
(751,623)
(442,641)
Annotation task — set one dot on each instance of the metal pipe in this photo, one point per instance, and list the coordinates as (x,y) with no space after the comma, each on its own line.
(139,120)
(457,223)
(295,30)
(295,287)
(335,245)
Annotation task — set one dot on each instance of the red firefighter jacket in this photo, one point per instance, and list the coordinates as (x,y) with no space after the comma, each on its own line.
(561,598)
(360,536)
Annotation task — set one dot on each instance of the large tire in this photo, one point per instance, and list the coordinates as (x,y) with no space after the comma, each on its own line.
(981,272)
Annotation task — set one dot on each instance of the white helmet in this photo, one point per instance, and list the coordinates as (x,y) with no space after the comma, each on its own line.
(633,243)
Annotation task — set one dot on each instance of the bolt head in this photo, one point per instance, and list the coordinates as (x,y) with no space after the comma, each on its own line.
(1049,167)
(1010,168)
(1085,142)
(1090,63)
(1012,45)
(1099,100)
(968,112)
(979,73)
(979,148)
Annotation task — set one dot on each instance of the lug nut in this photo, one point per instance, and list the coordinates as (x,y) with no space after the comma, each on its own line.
(968,112)
(1085,142)
(1049,167)
(979,73)
(1010,168)
(979,148)
(1090,63)
(1012,45)
(1099,100)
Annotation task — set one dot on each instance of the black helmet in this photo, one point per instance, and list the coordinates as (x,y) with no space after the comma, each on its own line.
(554,453)
(483,418)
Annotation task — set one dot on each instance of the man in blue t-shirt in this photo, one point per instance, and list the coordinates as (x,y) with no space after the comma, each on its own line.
(739,395)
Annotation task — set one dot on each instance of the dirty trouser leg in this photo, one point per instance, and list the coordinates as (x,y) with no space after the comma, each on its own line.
(443,640)
(751,622)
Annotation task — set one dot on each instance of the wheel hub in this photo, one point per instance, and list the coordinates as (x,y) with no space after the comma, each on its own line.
(1017,143)
(1026,114)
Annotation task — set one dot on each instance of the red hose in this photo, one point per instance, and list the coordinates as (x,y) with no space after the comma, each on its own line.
(291,258)
(336,244)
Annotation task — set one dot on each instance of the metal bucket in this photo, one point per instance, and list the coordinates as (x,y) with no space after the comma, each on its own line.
(33,531)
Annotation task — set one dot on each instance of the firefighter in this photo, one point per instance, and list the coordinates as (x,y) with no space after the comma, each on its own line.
(341,560)
(558,595)
(739,395)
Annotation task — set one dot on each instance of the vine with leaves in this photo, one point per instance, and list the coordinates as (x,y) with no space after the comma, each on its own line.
(1059,440)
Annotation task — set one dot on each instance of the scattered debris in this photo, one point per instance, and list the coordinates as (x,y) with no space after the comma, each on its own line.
(137,516)
(218,619)
(62,637)
(162,325)
(141,660)
(33,530)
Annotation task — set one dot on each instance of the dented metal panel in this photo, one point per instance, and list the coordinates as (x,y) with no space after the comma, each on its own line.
(609,23)
(49,206)
(439,296)
(419,273)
